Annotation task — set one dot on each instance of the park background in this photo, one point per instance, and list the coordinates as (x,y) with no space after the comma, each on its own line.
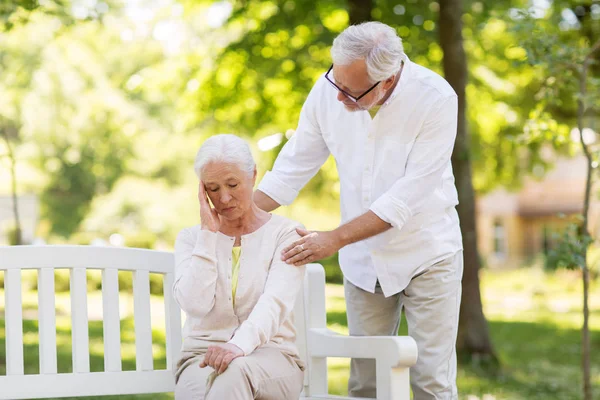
(103,105)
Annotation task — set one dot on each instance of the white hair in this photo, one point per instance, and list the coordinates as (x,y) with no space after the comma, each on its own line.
(376,43)
(225,148)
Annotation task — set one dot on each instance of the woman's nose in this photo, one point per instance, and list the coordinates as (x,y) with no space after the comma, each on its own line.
(225,197)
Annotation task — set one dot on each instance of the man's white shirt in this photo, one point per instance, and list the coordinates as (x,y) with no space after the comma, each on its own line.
(396,164)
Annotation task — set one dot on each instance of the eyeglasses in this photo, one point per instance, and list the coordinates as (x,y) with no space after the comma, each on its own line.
(348,95)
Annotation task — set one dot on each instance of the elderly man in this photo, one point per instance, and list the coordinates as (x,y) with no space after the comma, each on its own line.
(390,125)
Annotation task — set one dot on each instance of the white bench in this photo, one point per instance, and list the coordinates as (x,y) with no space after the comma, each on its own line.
(394,355)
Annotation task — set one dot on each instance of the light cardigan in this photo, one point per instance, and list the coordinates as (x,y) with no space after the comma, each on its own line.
(266,291)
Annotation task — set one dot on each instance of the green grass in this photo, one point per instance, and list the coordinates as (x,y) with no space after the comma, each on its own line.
(534,319)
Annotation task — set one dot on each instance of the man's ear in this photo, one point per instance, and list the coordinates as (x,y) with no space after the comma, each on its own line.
(389,82)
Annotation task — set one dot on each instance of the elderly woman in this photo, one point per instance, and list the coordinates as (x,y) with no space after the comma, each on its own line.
(237,293)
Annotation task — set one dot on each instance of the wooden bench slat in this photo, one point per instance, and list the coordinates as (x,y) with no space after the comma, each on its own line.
(14,322)
(111,320)
(143,327)
(47,321)
(90,384)
(172,322)
(79,321)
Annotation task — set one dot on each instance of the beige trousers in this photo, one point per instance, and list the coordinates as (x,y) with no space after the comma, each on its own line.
(431,303)
(266,374)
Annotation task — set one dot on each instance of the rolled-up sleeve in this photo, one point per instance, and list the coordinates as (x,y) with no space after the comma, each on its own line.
(426,163)
(274,305)
(195,272)
(300,158)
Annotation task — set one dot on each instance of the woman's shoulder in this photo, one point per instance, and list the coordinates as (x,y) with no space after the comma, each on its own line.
(284,228)
(188,234)
(282,223)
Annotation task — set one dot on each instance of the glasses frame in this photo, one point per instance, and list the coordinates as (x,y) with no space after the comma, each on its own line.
(348,95)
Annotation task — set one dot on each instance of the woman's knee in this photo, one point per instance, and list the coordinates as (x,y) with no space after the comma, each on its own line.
(235,380)
(191,384)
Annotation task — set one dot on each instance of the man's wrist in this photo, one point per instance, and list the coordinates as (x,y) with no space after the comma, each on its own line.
(341,237)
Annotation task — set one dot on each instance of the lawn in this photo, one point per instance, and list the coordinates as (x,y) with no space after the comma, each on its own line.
(534,321)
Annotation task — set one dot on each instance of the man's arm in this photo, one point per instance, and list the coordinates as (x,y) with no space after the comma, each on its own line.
(360,228)
(265,202)
(321,245)
(299,159)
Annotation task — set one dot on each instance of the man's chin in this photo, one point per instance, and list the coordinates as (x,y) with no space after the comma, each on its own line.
(352,107)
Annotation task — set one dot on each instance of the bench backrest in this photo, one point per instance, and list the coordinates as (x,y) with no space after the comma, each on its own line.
(113,380)
(78,259)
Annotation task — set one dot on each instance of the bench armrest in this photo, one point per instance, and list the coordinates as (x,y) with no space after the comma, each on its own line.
(395,351)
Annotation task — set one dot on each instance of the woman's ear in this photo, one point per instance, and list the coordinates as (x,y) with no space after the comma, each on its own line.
(254,176)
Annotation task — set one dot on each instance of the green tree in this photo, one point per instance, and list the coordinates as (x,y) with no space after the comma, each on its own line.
(15,13)
(66,94)
(562,51)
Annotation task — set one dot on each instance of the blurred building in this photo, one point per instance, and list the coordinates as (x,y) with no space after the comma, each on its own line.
(513,227)
(28,214)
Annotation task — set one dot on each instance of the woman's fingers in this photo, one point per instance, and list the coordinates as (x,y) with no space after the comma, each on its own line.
(202,196)
(226,361)
(219,360)
(213,356)
(204,361)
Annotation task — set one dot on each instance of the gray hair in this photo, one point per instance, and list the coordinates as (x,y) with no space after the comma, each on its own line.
(376,43)
(225,148)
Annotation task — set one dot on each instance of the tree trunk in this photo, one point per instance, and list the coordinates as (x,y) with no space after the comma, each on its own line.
(473,334)
(585,331)
(13,174)
(359,11)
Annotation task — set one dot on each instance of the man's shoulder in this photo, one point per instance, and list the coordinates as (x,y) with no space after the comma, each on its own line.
(426,79)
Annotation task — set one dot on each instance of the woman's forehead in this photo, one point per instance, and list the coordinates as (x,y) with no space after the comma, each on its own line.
(219,171)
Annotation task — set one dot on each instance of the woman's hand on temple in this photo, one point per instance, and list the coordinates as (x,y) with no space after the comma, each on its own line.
(220,356)
(208,215)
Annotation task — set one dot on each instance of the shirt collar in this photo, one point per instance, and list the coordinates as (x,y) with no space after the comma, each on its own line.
(404,77)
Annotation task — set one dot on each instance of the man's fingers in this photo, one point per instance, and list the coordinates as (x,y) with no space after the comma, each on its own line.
(302,232)
(307,260)
(293,245)
(295,251)
(300,257)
